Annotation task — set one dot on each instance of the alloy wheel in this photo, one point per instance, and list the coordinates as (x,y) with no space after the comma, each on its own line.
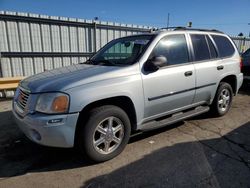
(108,135)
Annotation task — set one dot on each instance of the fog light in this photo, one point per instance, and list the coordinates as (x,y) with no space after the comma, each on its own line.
(36,135)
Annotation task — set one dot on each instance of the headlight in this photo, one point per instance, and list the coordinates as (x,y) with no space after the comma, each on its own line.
(52,103)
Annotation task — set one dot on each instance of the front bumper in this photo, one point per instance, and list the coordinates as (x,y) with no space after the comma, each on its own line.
(49,130)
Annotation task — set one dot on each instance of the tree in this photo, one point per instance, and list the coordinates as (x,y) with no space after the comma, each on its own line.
(240,34)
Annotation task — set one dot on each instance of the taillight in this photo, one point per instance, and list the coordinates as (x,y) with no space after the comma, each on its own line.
(241,63)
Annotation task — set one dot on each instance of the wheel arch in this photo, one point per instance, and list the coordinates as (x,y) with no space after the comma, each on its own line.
(123,102)
(232,81)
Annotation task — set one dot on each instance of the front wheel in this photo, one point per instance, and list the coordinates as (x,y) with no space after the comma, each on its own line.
(223,99)
(105,133)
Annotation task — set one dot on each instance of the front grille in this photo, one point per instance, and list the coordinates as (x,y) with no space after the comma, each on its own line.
(22,99)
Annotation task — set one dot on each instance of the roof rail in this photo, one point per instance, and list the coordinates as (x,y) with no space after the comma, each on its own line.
(197,29)
(181,28)
(168,28)
(172,28)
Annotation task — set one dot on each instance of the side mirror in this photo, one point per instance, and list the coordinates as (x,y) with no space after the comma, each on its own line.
(155,63)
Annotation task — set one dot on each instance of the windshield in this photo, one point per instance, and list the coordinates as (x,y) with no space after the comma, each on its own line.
(122,51)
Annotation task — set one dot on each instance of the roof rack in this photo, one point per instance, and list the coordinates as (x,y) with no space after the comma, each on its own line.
(172,28)
(167,28)
(180,28)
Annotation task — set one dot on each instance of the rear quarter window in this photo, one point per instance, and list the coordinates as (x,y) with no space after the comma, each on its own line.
(224,46)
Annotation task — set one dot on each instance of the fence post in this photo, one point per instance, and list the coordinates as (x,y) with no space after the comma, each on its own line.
(95,48)
(243,45)
(1,73)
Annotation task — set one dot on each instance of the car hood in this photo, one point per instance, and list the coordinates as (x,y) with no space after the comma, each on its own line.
(67,77)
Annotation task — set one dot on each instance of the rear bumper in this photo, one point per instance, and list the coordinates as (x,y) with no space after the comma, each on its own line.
(246,72)
(246,77)
(41,129)
(239,81)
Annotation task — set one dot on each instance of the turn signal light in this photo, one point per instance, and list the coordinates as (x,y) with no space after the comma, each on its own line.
(60,104)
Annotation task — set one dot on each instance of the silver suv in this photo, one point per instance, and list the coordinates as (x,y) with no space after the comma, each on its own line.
(139,82)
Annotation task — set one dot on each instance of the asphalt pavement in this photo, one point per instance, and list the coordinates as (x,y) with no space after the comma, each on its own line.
(200,152)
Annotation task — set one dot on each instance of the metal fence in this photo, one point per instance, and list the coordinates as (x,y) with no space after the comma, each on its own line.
(32,43)
(242,43)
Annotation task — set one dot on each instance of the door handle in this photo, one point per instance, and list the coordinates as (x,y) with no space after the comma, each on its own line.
(220,67)
(188,73)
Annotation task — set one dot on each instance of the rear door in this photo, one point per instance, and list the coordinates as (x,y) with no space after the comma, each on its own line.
(206,63)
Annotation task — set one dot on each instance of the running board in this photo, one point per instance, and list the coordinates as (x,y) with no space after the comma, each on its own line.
(174,118)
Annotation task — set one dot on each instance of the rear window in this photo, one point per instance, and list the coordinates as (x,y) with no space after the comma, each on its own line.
(224,46)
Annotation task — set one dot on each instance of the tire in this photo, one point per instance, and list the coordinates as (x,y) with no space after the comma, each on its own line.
(105,134)
(223,99)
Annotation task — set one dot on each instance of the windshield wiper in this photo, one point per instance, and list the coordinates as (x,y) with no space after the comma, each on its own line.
(100,62)
(89,61)
(106,62)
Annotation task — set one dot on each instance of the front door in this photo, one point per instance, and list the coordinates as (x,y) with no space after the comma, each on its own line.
(173,86)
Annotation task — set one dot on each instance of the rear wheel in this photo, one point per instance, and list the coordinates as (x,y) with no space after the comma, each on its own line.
(105,133)
(223,99)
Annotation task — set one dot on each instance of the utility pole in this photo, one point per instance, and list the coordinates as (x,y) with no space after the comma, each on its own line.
(168,20)
(249,31)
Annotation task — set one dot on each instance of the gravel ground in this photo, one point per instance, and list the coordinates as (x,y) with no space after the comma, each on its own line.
(200,152)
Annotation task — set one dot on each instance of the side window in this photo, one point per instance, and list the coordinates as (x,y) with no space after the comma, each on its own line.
(201,51)
(174,48)
(213,53)
(224,46)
